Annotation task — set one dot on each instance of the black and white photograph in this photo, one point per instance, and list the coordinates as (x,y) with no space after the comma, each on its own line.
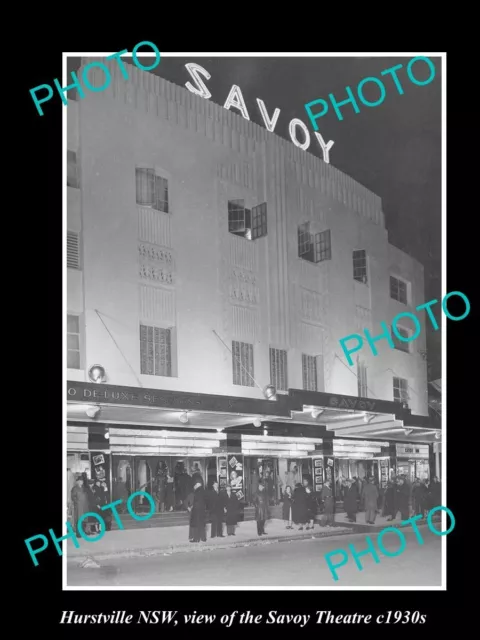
(254,244)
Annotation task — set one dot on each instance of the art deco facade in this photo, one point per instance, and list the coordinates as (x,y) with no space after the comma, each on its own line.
(194,233)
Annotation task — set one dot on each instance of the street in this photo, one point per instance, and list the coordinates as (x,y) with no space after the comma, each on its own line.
(288,564)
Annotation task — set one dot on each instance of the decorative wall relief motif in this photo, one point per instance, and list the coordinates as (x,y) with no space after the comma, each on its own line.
(155,264)
(243,287)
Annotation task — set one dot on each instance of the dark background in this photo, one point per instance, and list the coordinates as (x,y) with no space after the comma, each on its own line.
(393,149)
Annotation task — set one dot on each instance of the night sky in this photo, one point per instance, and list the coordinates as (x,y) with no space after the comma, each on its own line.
(393,149)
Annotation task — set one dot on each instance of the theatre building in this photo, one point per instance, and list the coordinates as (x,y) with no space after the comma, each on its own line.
(213,268)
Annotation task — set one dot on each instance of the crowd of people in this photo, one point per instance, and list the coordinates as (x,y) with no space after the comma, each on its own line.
(399,496)
(300,504)
(89,496)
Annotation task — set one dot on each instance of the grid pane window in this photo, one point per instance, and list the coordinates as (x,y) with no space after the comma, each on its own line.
(151,189)
(314,248)
(73,342)
(304,240)
(236,216)
(323,246)
(259,221)
(400,390)
(155,351)
(242,364)
(278,369)
(401,346)
(309,373)
(360,266)
(398,290)
(247,223)
(362,379)
(72,170)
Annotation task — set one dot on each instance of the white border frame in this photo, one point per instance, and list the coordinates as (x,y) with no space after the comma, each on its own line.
(332,587)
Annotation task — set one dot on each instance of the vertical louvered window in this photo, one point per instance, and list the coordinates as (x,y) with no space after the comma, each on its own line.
(73,342)
(362,379)
(73,250)
(242,364)
(309,373)
(278,369)
(155,351)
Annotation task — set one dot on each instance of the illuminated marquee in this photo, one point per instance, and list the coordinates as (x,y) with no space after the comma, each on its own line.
(235,99)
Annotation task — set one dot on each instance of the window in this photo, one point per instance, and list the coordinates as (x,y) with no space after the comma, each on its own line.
(242,364)
(360,266)
(398,289)
(309,373)
(73,342)
(152,189)
(401,346)
(314,247)
(362,379)
(73,250)
(247,223)
(73,179)
(400,390)
(155,351)
(278,369)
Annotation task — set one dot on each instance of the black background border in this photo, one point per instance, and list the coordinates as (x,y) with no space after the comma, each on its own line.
(41,477)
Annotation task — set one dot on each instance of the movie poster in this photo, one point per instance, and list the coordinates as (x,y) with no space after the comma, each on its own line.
(235,475)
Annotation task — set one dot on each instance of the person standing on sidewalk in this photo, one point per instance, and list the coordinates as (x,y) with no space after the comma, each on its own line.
(350,503)
(287,506)
(160,491)
(261,509)
(216,510)
(230,506)
(403,499)
(300,508)
(80,504)
(198,514)
(370,497)
(389,509)
(327,496)
(311,507)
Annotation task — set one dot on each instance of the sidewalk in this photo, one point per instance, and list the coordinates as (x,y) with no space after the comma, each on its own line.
(133,543)
(360,526)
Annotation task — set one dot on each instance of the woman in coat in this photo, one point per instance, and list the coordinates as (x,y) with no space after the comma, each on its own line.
(350,503)
(370,497)
(261,509)
(287,506)
(198,515)
(311,507)
(327,496)
(300,509)
(230,506)
(80,502)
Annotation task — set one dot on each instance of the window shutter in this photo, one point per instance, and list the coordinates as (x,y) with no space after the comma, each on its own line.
(73,250)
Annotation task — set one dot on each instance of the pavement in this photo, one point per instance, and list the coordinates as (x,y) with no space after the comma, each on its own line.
(297,563)
(137,543)
(133,543)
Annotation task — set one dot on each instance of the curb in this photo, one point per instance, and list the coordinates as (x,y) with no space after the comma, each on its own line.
(87,560)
